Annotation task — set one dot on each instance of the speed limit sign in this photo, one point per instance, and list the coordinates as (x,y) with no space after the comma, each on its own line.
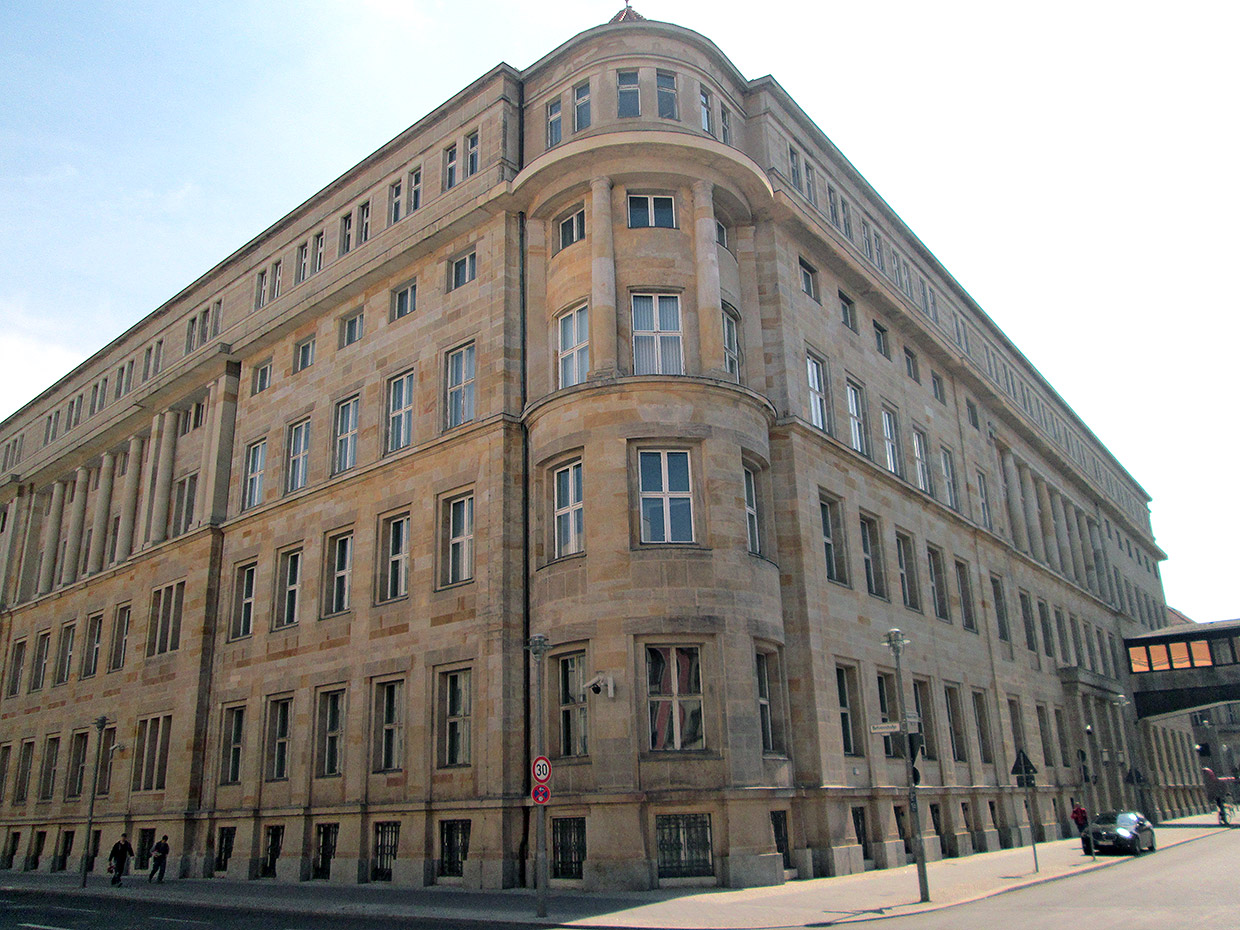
(542,770)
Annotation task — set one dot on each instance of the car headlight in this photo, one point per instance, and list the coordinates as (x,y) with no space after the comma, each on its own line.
(1125,833)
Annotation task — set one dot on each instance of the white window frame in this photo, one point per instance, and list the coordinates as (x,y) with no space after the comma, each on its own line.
(394,582)
(661,338)
(659,502)
(459,399)
(573,333)
(298,469)
(255,469)
(569,511)
(752,530)
(858,433)
(400,403)
(891,441)
(345,433)
(458,536)
(819,399)
(339,572)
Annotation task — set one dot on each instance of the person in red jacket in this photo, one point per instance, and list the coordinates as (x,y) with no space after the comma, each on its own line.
(1079,817)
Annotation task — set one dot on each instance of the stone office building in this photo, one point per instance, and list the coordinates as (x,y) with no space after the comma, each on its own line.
(618,349)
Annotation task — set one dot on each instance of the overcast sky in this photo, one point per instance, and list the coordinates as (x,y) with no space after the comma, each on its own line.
(1073,164)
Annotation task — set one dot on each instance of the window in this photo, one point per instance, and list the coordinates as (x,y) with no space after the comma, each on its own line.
(164,628)
(317,255)
(464,270)
(387,842)
(704,100)
(453,847)
(657,348)
(725,126)
(471,154)
(1048,634)
(684,845)
(983,501)
(456,717)
(858,431)
(1044,732)
(981,716)
(255,465)
(674,697)
(183,499)
(646,210)
(260,300)
(731,342)
(751,513)
(279,711)
(276,271)
(964,586)
(396,202)
(1065,757)
(64,654)
(298,456)
(289,588)
(846,689)
(75,777)
(394,581)
(1016,715)
(628,99)
(25,760)
(5,751)
(925,711)
(404,300)
(889,708)
(809,278)
(340,572)
(573,713)
(303,355)
(811,192)
(881,342)
(1026,614)
(460,401)
(572,229)
(569,511)
(872,557)
(415,189)
(721,235)
(948,464)
(891,441)
(665,84)
(120,637)
(90,646)
(150,758)
(363,223)
(936,388)
(330,729)
(971,412)
(819,407)
(939,597)
(400,412)
(833,540)
(345,421)
(568,846)
(243,601)
(351,329)
(262,377)
(459,539)
(574,347)
(449,167)
(346,233)
(666,497)
(906,561)
(581,107)
(910,365)
(389,726)
(794,167)
(555,123)
(1001,616)
(47,775)
(766,672)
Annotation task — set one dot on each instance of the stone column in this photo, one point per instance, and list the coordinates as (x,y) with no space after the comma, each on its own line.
(10,520)
(1016,518)
(709,296)
(129,500)
(603,311)
(1105,568)
(51,538)
(1087,551)
(214,482)
(103,510)
(77,520)
(163,477)
(1031,512)
(1048,524)
(1074,541)
(1061,532)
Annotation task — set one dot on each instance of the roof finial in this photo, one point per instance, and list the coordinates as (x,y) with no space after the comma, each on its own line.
(627,15)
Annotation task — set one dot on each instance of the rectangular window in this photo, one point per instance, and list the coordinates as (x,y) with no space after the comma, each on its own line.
(674,697)
(1017,716)
(232,742)
(47,774)
(25,761)
(363,223)
(1061,730)
(572,229)
(833,540)
(64,654)
(628,99)
(872,557)
(568,846)
(684,845)
(858,431)
(164,627)
(453,847)
(581,107)
(939,596)
(811,191)
(351,329)
(911,367)
(449,167)
(981,716)
(809,278)
(400,412)
(948,464)
(340,572)
(657,348)
(394,582)
(415,189)
(725,126)
(303,355)
(765,669)
(555,123)
(279,712)
(983,501)
(262,378)
(387,842)
(888,709)
(906,561)
(150,758)
(891,441)
(464,270)
(389,726)
(5,752)
(794,167)
(330,734)
(75,777)
(471,154)
(90,646)
(255,466)
(457,717)
(289,591)
(405,300)
(1026,614)
(1001,615)
(705,107)
(666,497)
(1044,733)
(345,443)
(574,330)
(346,233)
(647,210)
(1048,634)
(260,300)
(971,412)
(846,689)
(665,83)
(317,254)
(276,274)
(955,724)
(120,638)
(459,539)
(298,456)
(396,202)
(881,341)
(243,601)
(573,710)
(936,388)
(964,586)
(925,711)
(751,513)
(460,387)
(819,405)
(184,494)
(569,511)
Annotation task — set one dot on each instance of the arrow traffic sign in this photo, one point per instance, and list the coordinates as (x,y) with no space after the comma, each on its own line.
(541,794)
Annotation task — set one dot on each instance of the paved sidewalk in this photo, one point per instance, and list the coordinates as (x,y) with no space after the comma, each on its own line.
(815,902)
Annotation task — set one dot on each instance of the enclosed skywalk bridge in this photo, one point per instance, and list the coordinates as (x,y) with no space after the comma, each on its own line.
(1185,667)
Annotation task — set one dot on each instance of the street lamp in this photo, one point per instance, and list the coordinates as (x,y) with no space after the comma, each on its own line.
(896,642)
(538,648)
(100,723)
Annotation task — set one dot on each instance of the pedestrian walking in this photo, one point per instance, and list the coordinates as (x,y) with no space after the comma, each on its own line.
(159,861)
(118,857)
(1079,817)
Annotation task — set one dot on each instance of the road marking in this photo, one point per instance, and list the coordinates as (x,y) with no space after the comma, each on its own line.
(42,927)
(178,920)
(60,907)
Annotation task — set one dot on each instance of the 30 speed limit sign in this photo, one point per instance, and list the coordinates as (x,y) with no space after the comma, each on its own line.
(542,770)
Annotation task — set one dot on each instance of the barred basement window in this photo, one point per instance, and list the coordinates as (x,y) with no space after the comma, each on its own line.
(387,841)
(568,846)
(453,847)
(684,845)
(224,847)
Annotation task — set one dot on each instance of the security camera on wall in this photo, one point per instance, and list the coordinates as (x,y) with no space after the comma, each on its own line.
(598,683)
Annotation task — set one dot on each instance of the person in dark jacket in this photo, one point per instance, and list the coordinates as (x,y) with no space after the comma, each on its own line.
(159,861)
(118,857)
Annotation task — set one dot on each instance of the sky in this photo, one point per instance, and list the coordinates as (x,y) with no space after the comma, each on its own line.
(1073,164)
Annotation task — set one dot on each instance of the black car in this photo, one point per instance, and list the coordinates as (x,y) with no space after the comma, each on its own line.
(1118,831)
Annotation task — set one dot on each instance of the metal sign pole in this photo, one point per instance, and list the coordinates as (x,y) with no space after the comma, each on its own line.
(101,723)
(539,647)
(896,642)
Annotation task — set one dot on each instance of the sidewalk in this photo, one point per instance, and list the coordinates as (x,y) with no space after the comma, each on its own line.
(815,902)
